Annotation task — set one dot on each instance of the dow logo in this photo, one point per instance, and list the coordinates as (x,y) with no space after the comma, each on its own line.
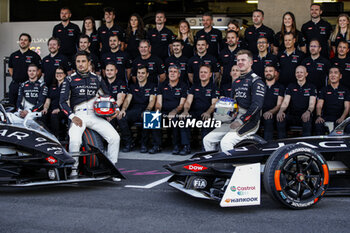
(151,120)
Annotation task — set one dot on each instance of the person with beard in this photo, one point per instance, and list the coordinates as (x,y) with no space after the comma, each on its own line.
(18,65)
(116,86)
(84,45)
(272,102)
(118,57)
(343,61)
(54,60)
(178,59)
(227,57)
(68,33)
(263,58)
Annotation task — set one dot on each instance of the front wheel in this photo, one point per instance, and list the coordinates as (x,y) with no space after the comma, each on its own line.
(296,176)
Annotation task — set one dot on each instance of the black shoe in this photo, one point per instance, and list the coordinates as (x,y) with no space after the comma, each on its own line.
(143,149)
(128,148)
(176,150)
(154,150)
(186,150)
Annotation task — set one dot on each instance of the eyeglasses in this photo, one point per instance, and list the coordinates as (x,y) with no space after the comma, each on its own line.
(59,72)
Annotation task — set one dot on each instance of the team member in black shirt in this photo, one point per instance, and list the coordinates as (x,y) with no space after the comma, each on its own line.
(288,60)
(178,59)
(211,35)
(31,93)
(263,58)
(200,104)
(89,29)
(134,33)
(202,57)
(56,120)
(84,45)
(257,30)
(108,29)
(272,102)
(317,28)
(68,33)
(18,65)
(343,61)
(341,31)
(333,103)
(233,25)
(226,88)
(171,97)
(185,34)
(228,57)
(160,37)
(118,57)
(141,98)
(54,60)
(300,100)
(153,63)
(316,65)
(117,86)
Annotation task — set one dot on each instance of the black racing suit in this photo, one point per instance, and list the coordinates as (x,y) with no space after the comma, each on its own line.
(31,95)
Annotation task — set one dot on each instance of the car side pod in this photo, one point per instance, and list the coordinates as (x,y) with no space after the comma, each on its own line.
(244,187)
(296,176)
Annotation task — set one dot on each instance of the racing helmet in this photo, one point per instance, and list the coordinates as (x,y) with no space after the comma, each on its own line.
(105,106)
(226,110)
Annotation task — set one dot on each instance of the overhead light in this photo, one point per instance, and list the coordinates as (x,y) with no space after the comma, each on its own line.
(48,0)
(252,1)
(93,4)
(322,1)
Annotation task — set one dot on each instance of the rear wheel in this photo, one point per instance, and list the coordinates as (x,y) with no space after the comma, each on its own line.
(91,137)
(296,176)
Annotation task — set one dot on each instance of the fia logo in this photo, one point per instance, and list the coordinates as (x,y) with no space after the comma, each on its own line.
(151,120)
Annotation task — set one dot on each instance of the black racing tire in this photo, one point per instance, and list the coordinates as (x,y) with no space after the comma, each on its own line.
(250,141)
(93,138)
(296,176)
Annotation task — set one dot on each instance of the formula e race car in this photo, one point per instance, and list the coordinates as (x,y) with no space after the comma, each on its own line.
(31,156)
(296,172)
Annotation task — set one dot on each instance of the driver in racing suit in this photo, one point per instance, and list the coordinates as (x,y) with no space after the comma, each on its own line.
(249,91)
(80,90)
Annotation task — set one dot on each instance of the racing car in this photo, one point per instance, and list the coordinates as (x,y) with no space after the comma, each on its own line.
(295,172)
(31,156)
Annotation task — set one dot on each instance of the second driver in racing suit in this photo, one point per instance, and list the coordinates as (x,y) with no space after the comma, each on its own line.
(249,91)
(80,90)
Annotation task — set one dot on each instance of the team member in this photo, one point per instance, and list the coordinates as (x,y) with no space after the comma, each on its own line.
(185,34)
(263,58)
(202,57)
(233,25)
(289,25)
(228,57)
(117,86)
(108,29)
(300,100)
(211,35)
(54,60)
(89,30)
(56,120)
(80,91)
(317,28)
(341,31)
(135,32)
(316,65)
(160,37)
(343,61)
(257,30)
(31,93)
(68,33)
(200,104)
(154,64)
(141,98)
(226,88)
(84,45)
(249,91)
(18,65)
(178,59)
(171,97)
(272,102)
(288,60)
(120,58)
(333,102)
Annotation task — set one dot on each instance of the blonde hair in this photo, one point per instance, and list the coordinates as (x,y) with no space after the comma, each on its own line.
(190,34)
(337,28)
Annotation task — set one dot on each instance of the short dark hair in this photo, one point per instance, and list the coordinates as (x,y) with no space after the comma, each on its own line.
(61,68)
(178,41)
(231,31)
(344,42)
(27,35)
(160,12)
(82,53)
(317,40)
(258,10)
(317,4)
(234,22)
(271,66)
(142,67)
(84,37)
(202,39)
(113,35)
(289,33)
(336,67)
(109,10)
(208,14)
(66,8)
(145,41)
(205,65)
(33,65)
(113,64)
(56,39)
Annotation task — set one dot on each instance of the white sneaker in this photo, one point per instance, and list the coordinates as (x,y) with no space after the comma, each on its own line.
(115,179)
(73,174)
